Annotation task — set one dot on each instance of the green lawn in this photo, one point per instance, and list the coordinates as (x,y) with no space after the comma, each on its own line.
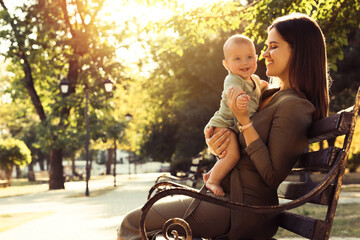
(346,224)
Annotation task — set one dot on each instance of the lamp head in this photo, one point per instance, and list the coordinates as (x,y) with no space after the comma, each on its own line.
(64,86)
(108,85)
(128,117)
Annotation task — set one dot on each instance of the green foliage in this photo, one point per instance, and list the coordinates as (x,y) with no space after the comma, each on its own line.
(336,18)
(13,151)
(185,92)
(56,46)
(186,86)
(172,103)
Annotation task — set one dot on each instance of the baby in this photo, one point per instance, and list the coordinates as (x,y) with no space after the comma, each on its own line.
(240,60)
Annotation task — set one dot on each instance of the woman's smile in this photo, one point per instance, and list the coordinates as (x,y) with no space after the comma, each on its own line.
(280,51)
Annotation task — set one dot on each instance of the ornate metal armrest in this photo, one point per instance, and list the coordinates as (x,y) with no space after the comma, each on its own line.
(162,186)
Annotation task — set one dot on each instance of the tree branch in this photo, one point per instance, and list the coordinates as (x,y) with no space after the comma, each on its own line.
(333,18)
(66,17)
(231,13)
(26,68)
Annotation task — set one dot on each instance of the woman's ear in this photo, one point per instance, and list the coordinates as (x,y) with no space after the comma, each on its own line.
(226,65)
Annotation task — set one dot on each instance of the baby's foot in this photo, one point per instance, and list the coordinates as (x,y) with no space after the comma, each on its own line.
(206,176)
(215,188)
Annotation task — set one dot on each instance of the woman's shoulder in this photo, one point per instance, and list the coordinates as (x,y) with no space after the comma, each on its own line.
(292,101)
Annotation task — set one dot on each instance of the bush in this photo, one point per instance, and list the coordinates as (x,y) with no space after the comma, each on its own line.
(13,151)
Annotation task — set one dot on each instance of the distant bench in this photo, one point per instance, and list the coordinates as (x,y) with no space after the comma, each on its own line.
(42,176)
(4,183)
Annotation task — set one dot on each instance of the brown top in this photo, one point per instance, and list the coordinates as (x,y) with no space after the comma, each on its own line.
(282,126)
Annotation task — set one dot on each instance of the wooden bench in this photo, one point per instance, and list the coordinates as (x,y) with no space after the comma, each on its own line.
(331,160)
(191,178)
(3,183)
(42,176)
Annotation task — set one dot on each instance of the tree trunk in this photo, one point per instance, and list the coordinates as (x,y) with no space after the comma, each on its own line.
(18,171)
(109,161)
(8,174)
(56,170)
(41,161)
(31,175)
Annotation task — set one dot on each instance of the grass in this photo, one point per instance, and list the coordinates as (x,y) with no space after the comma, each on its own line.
(13,220)
(346,223)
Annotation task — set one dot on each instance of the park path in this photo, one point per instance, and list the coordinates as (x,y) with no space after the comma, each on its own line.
(72,216)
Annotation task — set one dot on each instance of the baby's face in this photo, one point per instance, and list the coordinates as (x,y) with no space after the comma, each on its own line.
(241,59)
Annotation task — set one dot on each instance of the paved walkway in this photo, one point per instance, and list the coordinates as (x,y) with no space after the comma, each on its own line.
(68,215)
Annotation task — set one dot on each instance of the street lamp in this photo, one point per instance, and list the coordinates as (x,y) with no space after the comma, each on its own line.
(108,85)
(64,87)
(128,118)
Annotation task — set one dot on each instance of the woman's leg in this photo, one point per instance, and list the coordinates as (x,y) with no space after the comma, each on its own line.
(204,221)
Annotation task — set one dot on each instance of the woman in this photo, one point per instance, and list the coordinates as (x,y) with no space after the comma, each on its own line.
(270,141)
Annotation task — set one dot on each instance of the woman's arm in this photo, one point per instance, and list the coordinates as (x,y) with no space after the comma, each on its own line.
(218,142)
(241,112)
(287,138)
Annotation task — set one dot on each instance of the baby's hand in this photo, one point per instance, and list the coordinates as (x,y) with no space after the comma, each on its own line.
(242,101)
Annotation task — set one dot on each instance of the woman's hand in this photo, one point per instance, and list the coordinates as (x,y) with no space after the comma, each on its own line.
(238,102)
(218,142)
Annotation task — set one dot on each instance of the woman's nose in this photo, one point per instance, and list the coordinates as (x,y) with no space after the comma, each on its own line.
(266,53)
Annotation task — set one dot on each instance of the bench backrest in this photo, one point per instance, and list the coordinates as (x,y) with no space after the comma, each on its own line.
(330,161)
(194,175)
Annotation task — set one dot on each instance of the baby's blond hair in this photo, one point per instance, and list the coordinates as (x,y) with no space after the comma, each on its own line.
(236,39)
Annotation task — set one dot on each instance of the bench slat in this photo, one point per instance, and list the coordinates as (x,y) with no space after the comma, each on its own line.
(330,127)
(295,190)
(302,225)
(321,160)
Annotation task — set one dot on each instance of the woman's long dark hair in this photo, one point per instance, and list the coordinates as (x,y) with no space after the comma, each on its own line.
(308,73)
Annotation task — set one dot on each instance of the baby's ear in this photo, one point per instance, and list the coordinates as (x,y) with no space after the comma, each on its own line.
(226,65)
(257,57)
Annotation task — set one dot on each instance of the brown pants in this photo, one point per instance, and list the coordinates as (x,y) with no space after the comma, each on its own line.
(208,220)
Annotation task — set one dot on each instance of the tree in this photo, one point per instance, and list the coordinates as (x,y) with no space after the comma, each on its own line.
(51,40)
(185,92)
(13,152)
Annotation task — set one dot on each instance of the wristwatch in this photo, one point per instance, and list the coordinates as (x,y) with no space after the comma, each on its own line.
(242,128)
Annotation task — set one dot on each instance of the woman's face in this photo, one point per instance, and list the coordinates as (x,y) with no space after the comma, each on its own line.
(277,55)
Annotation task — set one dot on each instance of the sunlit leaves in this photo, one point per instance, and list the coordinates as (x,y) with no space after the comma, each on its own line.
(13,151)
(336,18)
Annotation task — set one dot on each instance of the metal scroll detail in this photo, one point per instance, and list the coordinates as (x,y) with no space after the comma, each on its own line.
(174,226)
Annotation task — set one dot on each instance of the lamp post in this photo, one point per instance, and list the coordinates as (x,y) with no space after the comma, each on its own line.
(64,87)
(114,162)
(128,118)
